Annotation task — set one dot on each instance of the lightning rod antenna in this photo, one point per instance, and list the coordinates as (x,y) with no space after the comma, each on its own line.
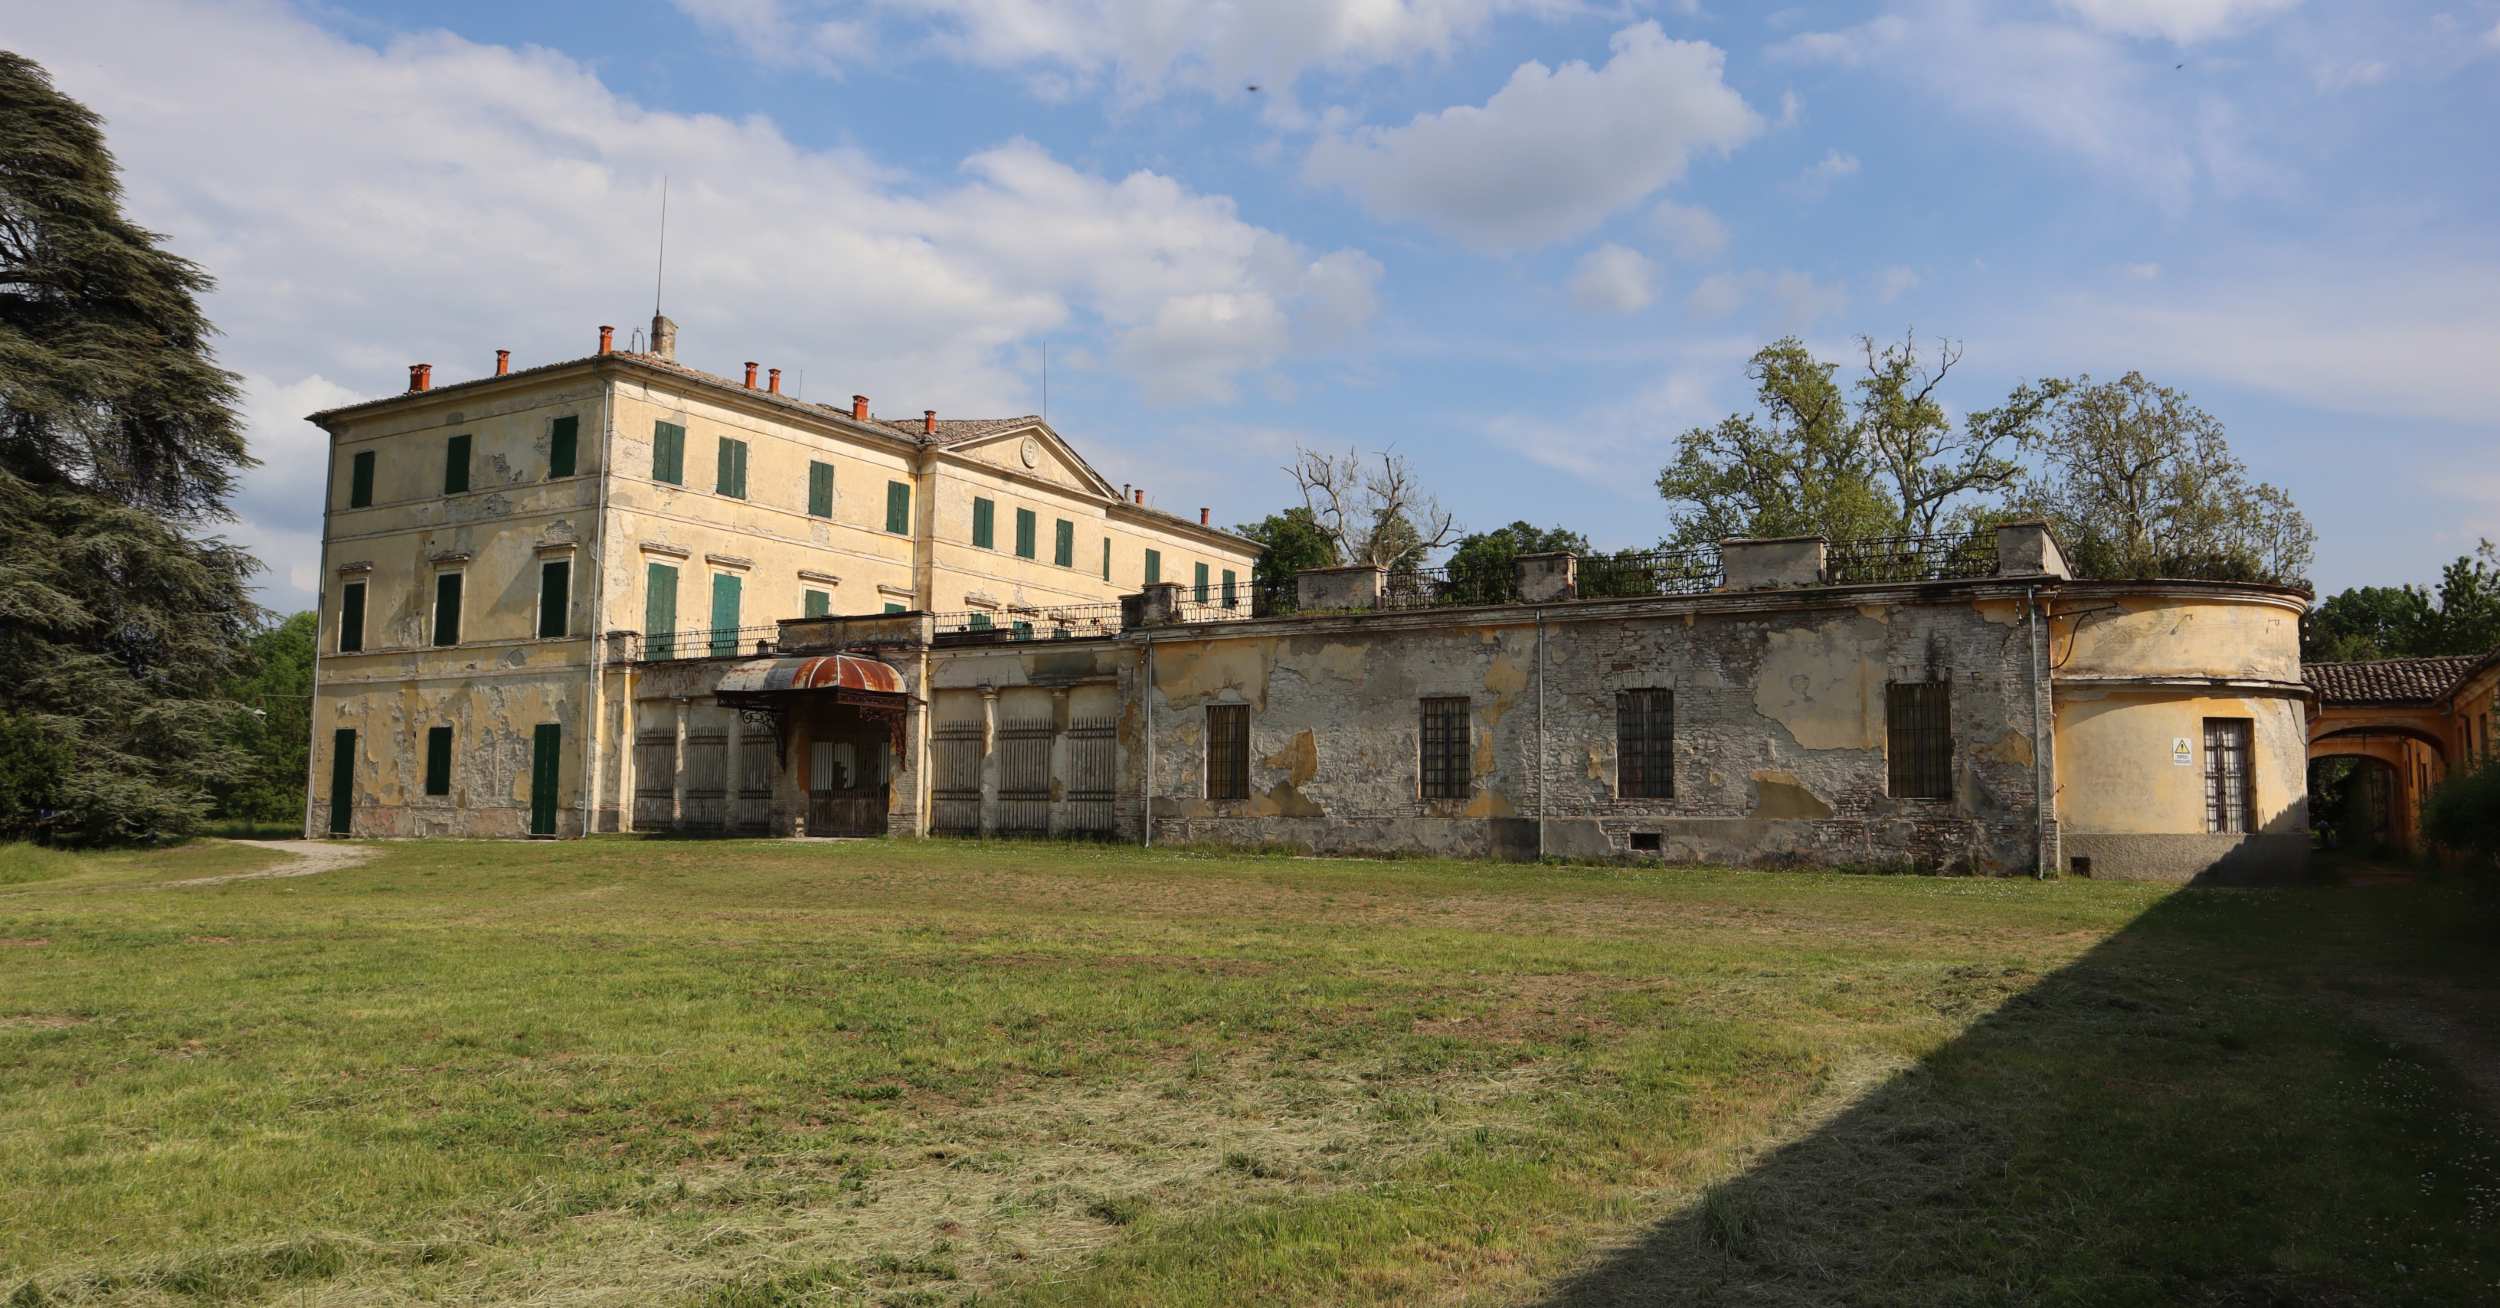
(660,273)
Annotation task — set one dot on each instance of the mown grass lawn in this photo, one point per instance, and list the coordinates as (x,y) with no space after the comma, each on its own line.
(748,1073)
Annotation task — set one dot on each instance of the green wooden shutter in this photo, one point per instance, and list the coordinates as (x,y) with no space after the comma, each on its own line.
(456,464)
(1063,543)
(820,490)
(352,618)
(447,609)
(977,622)
(1199,576)
(659,611)
(1228,588)
(724,614)
(360,480)
(342,780)
(668,453)
(898,508)
(563,436)
(892,607)
(1154,566)
(1106,558)
(546,767)
(732,478)
(555,597)
(816,603)
(438,760)
(1024,533)
(984,524)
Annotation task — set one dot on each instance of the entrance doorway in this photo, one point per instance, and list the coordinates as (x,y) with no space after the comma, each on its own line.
(342,780)
(849,773)
(546,764)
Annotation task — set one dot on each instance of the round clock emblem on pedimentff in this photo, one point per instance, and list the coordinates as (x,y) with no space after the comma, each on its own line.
(1031,450)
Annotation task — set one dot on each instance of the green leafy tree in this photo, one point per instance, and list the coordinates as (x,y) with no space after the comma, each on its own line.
(272,691)
(1929,467)
(118,445)
(2468,621)
(2463,814)
(2139,482)
(1289,542)
(2385,622)
(1482,570)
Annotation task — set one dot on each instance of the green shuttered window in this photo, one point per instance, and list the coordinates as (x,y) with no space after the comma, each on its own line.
(732,480)
(725,587)
(1198,586)
(352,618)
(1063,543)
(1154,566)
(447,608)
(1230,591)
(1024,533)
(456,464)
(360,480)
(659,610)
(816,603)
(555,597)
(563,442)
(984,524)
(892,607)
(898,508)
(1106,558)
(438,760)
(668,453)
(820,490)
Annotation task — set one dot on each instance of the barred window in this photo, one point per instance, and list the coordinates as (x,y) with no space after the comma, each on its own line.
(1228,751)
(1918,739)
(1645,744)
(1443,756)
(2228,801)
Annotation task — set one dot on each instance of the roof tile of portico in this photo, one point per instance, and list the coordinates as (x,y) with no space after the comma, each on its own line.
(2390,681)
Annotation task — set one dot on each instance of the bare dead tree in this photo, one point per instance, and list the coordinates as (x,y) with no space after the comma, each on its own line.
(1374,511)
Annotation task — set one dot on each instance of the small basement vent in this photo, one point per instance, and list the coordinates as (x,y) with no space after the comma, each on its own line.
(1646,842)
(2079,865)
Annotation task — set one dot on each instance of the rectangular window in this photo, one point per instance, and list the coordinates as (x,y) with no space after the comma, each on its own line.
(725,587)
(352,618)
(456,464)
(438,760)
(815,603)
(447,608)
(360,480)
(1199,587)
(1443,753)
(563,439)
(977,622)
(898,508)
(1063,543)
(555,598)
(2229,798)
(1645,744)
(1228,751)
(1023,629)
(668,453)
(1154,566)
(892,607)
(1231,589)
(1025,529)
(819,490)
(984,524)
(659,611)
(1918,739)
(1106,558)
(732,479)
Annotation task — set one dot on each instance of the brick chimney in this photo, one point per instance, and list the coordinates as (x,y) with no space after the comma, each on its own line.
(420,376)
(1141,496)
(750,374)
(503,362)
(773,381)
(607,339)
(664,337)
(1206,516)
(859,407)
(928,422)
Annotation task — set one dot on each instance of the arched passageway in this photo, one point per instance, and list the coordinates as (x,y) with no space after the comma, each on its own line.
(2353,804)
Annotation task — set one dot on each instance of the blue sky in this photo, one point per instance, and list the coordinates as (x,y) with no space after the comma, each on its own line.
(1525,242)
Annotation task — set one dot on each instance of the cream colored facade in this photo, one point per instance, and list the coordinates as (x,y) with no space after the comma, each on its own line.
(748,537)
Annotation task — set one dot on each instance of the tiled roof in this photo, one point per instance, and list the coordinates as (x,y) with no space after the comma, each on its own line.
(955,431)
(2389,681)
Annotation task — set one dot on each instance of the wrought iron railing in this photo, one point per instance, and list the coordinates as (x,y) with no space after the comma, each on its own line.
(1416,588)
(1006,626)
(1942,557)
(706,643)
(1631,575)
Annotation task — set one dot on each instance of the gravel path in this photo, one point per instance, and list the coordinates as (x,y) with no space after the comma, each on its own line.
(310,858)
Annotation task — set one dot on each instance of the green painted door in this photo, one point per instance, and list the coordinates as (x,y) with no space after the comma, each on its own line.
(342,779)
(724,615)
(546,749)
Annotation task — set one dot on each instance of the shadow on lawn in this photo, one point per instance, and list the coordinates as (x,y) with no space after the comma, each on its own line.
(2186,1114)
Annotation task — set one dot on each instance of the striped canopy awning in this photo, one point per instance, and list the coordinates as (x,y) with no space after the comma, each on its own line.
(848,674)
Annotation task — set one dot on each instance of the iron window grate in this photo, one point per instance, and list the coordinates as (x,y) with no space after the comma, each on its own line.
(2229,801)
(1228,751)
(1918,739)
(1645,744)
(1444,747)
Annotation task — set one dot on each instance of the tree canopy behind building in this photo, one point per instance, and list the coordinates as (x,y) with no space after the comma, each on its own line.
(2385,622)
(118,446)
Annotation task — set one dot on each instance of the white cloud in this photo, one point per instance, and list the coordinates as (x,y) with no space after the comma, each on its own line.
(1894,282)
(1613,279)
(1801,300)
(1690,230)
(2183,22)
(774,34)
(2349,75)
(1792,110)
(2143,272)
(435,198)
(1553,153)
(2492,37)
(1816,181)
(1717,295)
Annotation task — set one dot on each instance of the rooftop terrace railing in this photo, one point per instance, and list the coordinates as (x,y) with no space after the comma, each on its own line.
(1007,626)
(1942,557)
(1631,575)
(706,643)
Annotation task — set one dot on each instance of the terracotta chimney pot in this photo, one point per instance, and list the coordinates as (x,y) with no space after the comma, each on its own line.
(928,422)
(859,407)
(1141,495)
(750,374)
(774,381)
(607,339)
(420,376)
(1205,516)
(503,362)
